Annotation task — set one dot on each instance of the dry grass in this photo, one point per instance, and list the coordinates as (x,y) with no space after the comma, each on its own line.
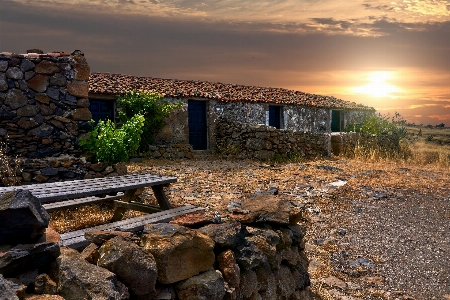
(212,183)
(8,167)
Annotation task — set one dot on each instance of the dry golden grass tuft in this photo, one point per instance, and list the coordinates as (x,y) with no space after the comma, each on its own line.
(8,167)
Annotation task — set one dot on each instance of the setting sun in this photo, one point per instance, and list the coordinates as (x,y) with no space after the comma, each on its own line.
(378,87)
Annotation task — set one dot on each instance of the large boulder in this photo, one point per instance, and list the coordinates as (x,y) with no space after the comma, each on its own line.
(206,286)
(22,218)
(132,265)
(25,257)
(78,279)
(179,252)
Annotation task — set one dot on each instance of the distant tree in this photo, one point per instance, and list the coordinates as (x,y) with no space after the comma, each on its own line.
(442,125)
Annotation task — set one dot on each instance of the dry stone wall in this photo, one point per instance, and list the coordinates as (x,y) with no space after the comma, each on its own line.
(266,142)
(43,102)
(257,252)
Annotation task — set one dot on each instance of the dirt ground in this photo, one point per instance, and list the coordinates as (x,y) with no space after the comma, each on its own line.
(375,230)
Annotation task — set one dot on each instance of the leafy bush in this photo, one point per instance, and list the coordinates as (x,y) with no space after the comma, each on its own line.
(151,106)
(378,124)
(111,144)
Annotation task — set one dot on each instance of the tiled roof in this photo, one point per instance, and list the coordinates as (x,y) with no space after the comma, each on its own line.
(34,55)
(117,84)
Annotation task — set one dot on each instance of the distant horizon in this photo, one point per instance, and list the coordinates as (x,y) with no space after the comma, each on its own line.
(392,56)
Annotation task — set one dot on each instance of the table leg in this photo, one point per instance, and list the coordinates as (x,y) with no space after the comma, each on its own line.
(120,211)
(161,197)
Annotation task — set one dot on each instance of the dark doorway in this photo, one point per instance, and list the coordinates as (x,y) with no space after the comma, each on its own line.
(335,121)
(275,116)
(101,110)
(197,124)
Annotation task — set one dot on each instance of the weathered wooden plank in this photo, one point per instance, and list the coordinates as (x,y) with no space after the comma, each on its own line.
(56,191)
(54,206)
(75,239)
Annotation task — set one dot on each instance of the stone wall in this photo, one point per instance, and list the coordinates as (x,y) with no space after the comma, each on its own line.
(43,103)
(61,168)
(257,254)
(294,118)
(265,142)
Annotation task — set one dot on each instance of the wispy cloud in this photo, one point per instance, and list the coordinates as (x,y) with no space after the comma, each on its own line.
(368,18)
(415,106)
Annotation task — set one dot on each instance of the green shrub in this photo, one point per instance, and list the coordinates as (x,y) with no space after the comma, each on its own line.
(378,124)
(111,144)
(151,106)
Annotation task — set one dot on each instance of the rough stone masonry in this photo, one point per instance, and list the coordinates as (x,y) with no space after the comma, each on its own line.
(43,102)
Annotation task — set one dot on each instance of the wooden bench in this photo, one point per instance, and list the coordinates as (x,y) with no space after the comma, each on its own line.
(119,189)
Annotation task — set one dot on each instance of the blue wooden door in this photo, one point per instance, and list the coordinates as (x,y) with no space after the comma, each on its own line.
(197,124)
(275,116)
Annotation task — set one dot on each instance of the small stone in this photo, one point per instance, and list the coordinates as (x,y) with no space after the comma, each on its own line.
(78,88)
(58,80)
(27,111)
(14,73)
(333,281)
(3,83)
(90,253)
(38,83)
(16,98)
(82,114)
(43,284)
(42,98)
(46,67)
(48,171)
(26,65)
(3,65)
(84,102)
(81,72)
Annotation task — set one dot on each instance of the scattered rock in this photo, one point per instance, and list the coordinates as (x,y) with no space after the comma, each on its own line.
(229,268)
(171,244)
(43,284)
(226,235)
(132,265)
(25,257)
(333,281)
(22,217)
(206,286)
(78,279)
(6,292)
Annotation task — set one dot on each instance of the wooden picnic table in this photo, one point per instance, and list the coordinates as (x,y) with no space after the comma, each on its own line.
(119,189)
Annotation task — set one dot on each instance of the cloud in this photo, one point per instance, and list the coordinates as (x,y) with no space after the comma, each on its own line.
(331,17)
(415,106)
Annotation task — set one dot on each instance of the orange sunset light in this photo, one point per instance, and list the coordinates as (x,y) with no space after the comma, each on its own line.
(378,85)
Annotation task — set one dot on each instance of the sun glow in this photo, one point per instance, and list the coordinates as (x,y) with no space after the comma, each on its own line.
(378,87)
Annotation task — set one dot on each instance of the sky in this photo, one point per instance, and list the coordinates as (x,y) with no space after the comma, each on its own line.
(390,55)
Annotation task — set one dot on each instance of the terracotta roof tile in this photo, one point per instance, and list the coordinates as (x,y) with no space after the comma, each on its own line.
(118,84)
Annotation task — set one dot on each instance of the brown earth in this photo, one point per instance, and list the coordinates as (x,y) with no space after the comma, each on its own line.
(383,234)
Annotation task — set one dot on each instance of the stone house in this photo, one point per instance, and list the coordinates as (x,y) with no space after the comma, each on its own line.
(205,103)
